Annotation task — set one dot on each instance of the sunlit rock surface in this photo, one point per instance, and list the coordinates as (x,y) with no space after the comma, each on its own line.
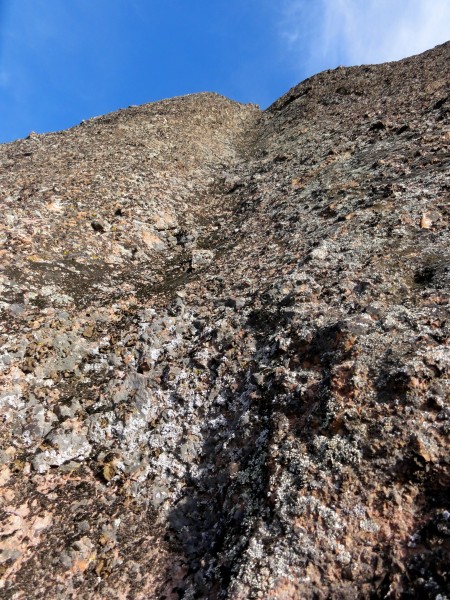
(225,346)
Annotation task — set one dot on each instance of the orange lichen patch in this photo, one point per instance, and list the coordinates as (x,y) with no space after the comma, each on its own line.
(426,222)
(22,532)
(342,382)
(152,240)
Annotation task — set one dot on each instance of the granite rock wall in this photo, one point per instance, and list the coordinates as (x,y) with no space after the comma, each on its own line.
(225,346)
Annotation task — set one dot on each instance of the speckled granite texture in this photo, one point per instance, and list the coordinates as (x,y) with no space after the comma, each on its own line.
(225,346)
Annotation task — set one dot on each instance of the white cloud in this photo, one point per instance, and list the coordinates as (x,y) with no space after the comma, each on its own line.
(325,33)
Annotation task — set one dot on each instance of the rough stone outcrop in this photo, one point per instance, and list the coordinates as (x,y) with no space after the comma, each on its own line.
(225,346)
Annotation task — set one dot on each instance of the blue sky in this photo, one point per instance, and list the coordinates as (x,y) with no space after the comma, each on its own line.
(62,61)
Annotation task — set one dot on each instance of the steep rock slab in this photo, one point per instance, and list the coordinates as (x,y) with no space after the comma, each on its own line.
(345,223)
(98,223)
(270,419)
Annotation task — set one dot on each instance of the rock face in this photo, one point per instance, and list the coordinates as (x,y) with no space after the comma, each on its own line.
(225,346)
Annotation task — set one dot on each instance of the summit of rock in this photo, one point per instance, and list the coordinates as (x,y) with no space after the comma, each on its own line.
(225,346)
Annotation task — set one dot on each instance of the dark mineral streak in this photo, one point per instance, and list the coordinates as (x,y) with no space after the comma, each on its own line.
(225,346)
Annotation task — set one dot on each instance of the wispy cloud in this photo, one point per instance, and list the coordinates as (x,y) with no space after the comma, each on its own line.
(330,32)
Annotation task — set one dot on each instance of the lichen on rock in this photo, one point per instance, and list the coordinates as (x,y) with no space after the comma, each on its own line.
(224,351)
